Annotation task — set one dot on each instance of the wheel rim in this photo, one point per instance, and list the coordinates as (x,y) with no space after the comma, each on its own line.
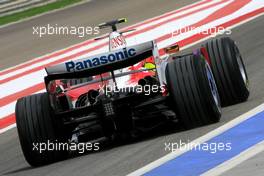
(213,87)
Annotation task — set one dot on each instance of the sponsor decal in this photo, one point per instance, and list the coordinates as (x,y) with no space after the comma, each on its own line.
(118,41)
(98,61)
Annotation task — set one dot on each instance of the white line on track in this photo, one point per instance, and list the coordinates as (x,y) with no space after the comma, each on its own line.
(7,109)
(199,140)
(7,128)
(243,156)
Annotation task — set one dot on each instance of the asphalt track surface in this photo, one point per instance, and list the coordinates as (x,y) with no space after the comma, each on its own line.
(253,165)
(122,159)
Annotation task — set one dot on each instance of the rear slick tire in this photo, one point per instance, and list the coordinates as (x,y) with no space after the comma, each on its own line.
(194,95)
(229,70)
(36,125)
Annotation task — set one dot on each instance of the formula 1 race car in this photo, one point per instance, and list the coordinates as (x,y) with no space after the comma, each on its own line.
(130,89)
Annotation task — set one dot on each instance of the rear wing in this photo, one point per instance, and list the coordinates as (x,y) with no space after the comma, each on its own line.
(102,63)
